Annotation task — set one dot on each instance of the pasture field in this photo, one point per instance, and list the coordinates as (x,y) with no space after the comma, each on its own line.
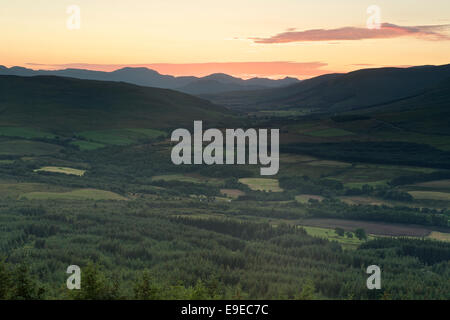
(121,136)
(222,199)
(80,194)
(330,235)
(304,198)
(232,193)
(187,178)
(441,236)
(352,175)
(262,184)
(436,185)
(52,161)
(15,189)
(430,195)
(26,133)
(356,200)
(64,170)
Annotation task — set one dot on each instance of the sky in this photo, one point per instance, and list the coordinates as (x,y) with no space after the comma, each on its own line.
(245,38)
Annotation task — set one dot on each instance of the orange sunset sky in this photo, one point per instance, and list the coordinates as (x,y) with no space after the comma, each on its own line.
(245,38)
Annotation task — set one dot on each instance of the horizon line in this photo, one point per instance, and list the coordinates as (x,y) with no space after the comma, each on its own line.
(246,76)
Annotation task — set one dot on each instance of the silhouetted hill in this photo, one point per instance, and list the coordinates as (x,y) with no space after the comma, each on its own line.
(68,104)
(151,78)
(339,92)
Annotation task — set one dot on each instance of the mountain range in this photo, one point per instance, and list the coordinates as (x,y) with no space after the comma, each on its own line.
(214,83)
(416,98)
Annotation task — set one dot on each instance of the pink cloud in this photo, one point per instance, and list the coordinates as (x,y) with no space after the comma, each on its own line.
(273,69)
(386,31)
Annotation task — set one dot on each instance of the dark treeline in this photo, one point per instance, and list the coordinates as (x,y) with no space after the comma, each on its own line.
(398,153)
(330,208)
(428,252)
(305,184)
(423,177)
(332,188)
(383,192)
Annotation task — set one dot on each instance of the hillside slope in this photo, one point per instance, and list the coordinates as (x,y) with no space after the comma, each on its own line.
(341,92)
(66,104)
(428,112)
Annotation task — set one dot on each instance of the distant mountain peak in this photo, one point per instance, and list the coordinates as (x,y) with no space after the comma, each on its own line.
(137,69)
(150,78)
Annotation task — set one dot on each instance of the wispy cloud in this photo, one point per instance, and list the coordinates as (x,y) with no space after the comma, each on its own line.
(387,31)
(271,69)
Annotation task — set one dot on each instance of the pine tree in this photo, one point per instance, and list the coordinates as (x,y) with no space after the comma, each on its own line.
(5,280)
(308,291)
(145,289)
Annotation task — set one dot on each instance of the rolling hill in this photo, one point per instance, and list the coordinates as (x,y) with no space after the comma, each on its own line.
(341,92)
(427,112)
(63,105)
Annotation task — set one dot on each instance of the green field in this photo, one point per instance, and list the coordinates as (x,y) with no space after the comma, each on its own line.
(330,234)
(26,133)
(121,136)
(232,193)
(364,200)
(72,171)
(262,184)
(430,195)
(187,178)
(15,189)
(81,194)
(304,198)
(148,133)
